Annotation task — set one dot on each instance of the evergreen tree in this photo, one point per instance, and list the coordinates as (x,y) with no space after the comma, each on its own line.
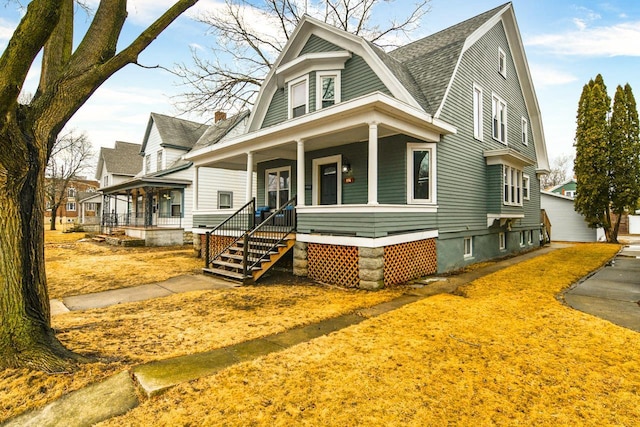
(624,149)
(592,157)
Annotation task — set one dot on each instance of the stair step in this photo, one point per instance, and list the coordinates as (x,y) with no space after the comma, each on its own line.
(241,250)
(238,257)
(262,243)
(228,264)
(225,273)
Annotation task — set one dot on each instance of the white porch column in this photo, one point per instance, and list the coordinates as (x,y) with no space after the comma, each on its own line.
(249,189)
(300,174)
(372,177)
(196,187)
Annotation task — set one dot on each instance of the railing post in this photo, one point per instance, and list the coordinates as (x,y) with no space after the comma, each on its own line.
(245,254)
(206,249)
(252,221)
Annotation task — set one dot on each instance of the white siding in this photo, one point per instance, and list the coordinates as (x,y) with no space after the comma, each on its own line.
(212,180)
(566,224)
(151,148)
(170,156)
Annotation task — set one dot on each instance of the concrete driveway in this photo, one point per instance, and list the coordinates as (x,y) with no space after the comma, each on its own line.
(612,293)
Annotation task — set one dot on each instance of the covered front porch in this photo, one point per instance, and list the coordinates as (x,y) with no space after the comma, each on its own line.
(364,176)
(151,209)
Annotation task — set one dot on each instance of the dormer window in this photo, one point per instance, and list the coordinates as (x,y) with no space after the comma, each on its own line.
(298,97)
(502,62)
(328,89)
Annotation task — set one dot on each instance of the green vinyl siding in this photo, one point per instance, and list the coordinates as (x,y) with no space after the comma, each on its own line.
(468,189)
(372,225)
(318,44)
(392,169)
(358,79)
(208,220)
(277,111)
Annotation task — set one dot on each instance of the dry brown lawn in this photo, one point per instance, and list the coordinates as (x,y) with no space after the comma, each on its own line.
(504,352)
(121,336)
(79,267)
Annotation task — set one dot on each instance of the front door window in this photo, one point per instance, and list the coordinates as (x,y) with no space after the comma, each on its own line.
(278,185)
(329,184)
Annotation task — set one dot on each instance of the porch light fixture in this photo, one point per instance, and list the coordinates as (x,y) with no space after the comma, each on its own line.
(346,166)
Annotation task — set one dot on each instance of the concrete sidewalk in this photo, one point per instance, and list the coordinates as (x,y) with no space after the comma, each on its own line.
(154,377)
(613,292)
(175,285)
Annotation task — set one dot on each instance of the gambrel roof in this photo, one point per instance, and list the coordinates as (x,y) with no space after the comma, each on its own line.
(174,132)
(123,159)
(419,74)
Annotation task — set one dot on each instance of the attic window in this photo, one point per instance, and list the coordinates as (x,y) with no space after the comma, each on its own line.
(298,97)
(502,62)
(328,89)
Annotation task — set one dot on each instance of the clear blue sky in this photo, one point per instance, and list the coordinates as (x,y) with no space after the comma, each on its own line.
(566,42)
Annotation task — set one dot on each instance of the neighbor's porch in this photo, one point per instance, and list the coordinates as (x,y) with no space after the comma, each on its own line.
(151,209)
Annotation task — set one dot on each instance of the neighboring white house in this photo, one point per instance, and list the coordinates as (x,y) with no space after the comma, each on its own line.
(117,165)
(567,225)
(159,199)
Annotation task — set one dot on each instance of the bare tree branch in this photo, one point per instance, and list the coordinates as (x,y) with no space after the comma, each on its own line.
(249,36)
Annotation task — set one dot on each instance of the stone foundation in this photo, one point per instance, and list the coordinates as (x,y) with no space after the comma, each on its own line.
(300,259)
(371,268)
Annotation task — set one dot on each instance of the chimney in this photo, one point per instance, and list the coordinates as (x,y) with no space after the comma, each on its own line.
(220,115)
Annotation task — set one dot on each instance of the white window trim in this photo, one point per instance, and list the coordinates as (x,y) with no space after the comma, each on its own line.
(495,101)
(411,147)
(530,237)
(522,238)
(315,177)
(478,129)
(514,190)
(266,183)
(502,241)
(464,247)
(527,180)
(291,84)
(159,160)
(337,94)
(71,207)
(230,193)
(525,131)
(503,56)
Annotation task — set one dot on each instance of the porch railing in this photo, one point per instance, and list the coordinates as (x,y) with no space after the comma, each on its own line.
(113,220)
(228,232)
(266,237)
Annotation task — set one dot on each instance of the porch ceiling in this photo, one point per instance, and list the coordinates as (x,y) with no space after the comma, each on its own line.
(338,125)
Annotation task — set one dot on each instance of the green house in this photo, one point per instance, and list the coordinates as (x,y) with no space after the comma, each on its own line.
(406,163)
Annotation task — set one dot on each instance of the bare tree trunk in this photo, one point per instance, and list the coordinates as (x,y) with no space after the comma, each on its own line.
(26,337)
(616,228)
(54,216)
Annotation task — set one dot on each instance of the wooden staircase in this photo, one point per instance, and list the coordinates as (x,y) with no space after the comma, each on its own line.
(239,250)
(229,264)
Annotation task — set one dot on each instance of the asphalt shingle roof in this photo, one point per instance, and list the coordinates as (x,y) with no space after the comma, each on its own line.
(219,129)
(178,132)
(123,159)
(431,61)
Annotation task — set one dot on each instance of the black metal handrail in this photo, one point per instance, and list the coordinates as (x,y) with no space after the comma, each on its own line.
(266,236)
(230,231)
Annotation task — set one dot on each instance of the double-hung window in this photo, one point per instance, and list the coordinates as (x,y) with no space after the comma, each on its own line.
(502,63)
(526,187)
(147,163)
(499,119)
(71,207)
(421,173)
(512,185)
(327,89)
(298,97)
(477,112)
(159,161)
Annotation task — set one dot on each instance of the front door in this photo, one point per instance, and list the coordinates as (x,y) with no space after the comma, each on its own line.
(329,184)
